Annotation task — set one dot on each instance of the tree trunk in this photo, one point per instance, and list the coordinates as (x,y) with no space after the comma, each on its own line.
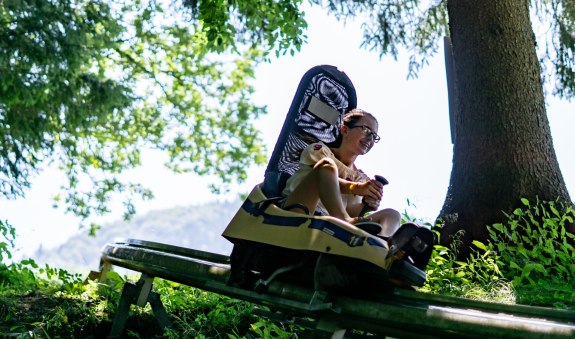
(503,149)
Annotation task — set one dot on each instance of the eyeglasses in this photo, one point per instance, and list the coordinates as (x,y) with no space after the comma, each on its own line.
(368,132)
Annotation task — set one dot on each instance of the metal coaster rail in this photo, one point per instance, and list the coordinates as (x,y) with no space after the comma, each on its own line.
(400,313)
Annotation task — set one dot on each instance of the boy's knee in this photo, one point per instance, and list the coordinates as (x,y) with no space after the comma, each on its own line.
(392,212)
(326,164)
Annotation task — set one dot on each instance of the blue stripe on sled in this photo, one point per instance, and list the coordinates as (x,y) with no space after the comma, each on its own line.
(325,226)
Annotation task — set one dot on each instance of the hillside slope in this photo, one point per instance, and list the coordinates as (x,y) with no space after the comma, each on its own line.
(198,227)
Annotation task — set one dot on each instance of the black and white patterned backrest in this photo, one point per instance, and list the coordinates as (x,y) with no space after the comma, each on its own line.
(323,96)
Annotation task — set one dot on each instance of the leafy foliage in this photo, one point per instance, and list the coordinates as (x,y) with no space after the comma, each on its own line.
(52,302)
(537,251)
(530,256)
(203,314)
(392,25)
(8,235)
(536,243)
(279,25)
(419,27)
(557,20)
(478,277)
(69,307)
(90,83)
(48,51)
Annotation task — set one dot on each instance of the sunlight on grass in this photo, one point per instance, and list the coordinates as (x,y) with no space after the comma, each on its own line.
(51,302)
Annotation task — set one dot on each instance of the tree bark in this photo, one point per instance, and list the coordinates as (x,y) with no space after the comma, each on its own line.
(503,149)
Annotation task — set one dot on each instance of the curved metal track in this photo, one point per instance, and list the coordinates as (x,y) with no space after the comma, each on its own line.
(399,313)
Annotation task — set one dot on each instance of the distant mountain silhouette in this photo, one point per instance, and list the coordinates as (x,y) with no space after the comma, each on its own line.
(198,227)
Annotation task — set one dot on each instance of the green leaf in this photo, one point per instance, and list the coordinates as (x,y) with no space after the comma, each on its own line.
(480,245)
(460,274)
(514,265)
(499,227)
(136,76)
(554,210)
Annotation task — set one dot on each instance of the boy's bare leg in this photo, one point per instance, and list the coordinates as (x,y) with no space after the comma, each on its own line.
(389,219)
(320,184)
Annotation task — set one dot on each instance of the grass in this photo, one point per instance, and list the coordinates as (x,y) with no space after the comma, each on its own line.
(45,308)
(52,303)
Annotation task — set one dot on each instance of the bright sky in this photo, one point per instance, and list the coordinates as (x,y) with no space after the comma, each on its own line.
(415,153)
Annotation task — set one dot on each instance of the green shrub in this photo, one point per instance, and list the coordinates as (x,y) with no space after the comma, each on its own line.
(7,237)
(477,277)
(527,260)
(200,314)
(535,243)
(536,252)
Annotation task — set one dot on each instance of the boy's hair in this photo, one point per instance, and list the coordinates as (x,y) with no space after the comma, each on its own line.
(352,117)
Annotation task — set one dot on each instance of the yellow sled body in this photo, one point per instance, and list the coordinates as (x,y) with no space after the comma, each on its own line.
(260,221)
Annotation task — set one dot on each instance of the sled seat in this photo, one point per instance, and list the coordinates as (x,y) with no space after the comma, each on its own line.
(323,96)
(271,243)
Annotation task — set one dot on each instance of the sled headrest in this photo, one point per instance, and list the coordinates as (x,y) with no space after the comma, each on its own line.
(323,96)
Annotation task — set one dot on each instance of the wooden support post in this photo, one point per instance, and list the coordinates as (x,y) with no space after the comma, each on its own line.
(145,286)
(138,294)
(159,310)
(100,275)
(122,311)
